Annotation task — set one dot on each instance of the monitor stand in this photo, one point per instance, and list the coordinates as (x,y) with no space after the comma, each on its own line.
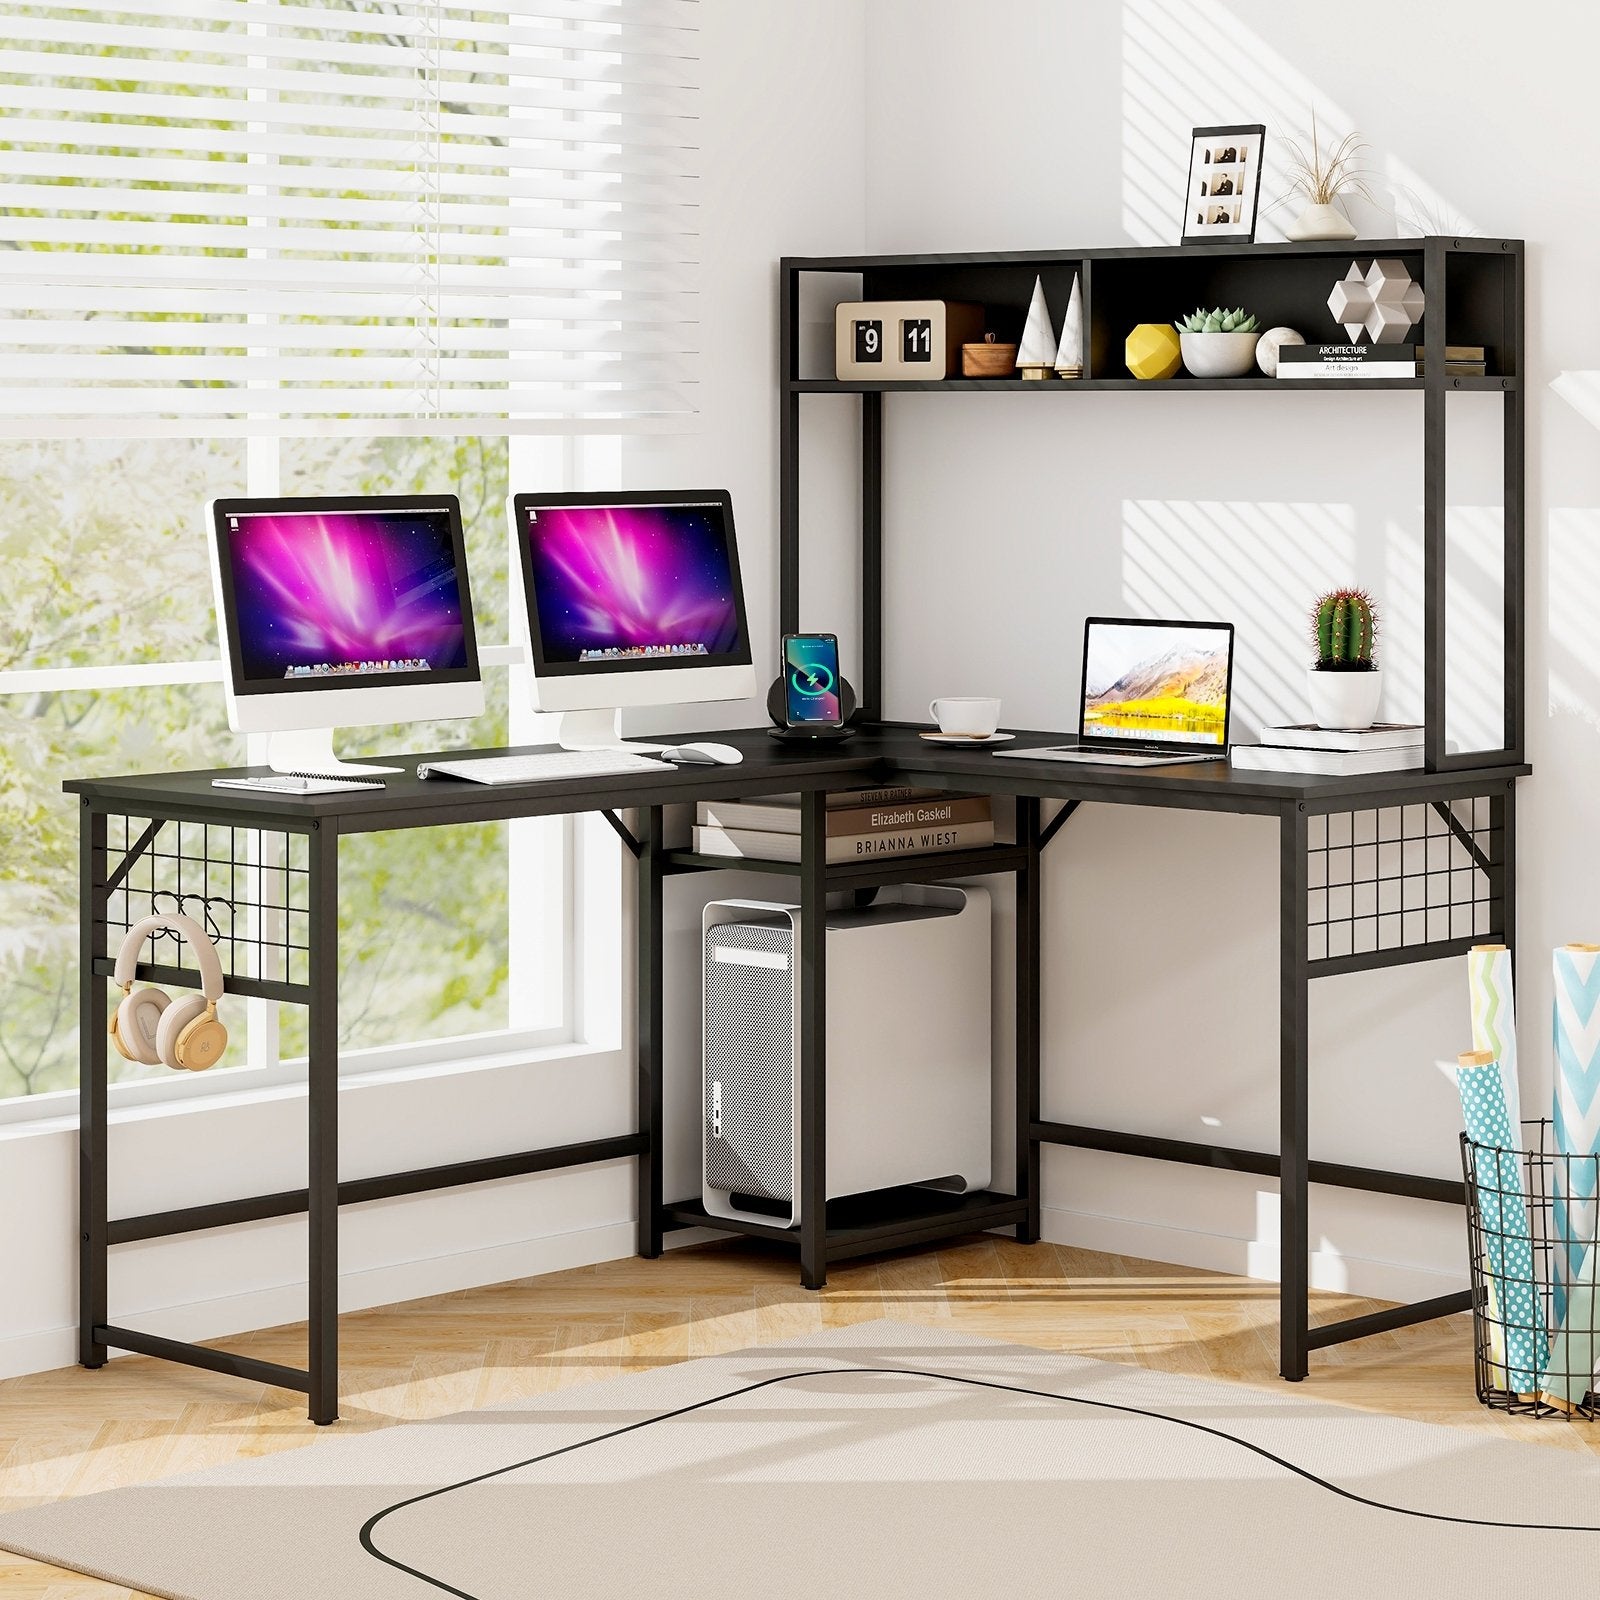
(600,730)
(310,751)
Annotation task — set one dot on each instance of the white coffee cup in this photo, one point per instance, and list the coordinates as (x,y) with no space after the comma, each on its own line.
(972,714)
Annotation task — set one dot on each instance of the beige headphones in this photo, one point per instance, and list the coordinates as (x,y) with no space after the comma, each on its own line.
(154,1029)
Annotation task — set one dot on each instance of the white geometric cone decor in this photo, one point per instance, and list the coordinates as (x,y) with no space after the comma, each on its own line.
(1038,347)
(1069,356)
(1351,302)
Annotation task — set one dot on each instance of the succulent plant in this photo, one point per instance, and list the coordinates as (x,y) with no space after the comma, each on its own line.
(1218,321)
(1343,628)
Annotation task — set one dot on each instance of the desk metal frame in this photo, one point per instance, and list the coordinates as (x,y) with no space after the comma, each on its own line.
(143,807)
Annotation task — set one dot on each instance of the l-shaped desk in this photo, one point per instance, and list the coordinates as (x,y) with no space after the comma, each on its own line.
(1379,870)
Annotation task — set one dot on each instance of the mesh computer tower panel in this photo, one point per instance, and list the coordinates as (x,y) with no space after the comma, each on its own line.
(908,1049)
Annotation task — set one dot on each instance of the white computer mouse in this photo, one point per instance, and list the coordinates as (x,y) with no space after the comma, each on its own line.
(704,753)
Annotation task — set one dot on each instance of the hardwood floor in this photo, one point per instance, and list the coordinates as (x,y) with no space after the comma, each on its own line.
(72,1432)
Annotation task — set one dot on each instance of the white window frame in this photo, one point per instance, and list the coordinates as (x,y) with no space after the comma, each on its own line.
(578,945)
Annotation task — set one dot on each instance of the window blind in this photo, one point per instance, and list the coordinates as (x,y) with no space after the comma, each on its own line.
(223,217)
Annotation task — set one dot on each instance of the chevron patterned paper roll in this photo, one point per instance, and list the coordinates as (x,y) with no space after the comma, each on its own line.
(1494,1016)
(1575,1350)
(1575,1111)
(1503,1213)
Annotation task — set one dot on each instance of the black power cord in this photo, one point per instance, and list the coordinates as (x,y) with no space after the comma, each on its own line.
(942,1377)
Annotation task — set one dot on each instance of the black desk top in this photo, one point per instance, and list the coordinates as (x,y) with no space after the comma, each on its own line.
(889,754)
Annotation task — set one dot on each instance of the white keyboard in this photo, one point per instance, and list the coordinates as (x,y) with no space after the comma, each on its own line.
(544,767)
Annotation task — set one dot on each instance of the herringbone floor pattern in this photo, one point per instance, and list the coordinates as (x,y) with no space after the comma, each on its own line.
(72,1432)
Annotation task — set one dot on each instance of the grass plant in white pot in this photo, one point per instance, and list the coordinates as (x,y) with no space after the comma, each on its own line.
(1218,343)
(1321,178)
(1345,683)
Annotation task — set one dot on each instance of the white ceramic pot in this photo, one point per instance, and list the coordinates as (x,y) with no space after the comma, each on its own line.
(1319,222)
(1345,699)
(1218,355)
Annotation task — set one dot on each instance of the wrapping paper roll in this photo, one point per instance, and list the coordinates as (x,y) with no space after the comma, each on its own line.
(1575,1112)
(1575,1350)
(1494,1016)
(1503,1213)
(1494,1028)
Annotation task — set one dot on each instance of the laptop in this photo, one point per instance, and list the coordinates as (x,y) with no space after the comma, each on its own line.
(1153,693)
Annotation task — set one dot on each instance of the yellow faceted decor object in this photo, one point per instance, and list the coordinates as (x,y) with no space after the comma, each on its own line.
(1153,351)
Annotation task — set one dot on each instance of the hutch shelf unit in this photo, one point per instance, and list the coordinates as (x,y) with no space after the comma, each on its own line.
(1464,804)
(1477,283)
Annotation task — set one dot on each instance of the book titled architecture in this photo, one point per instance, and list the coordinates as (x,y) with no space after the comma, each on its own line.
(757,845)
(1380,736)
(878,812)
(1325,763)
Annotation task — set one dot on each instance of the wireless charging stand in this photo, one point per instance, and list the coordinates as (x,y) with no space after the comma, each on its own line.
(819,735)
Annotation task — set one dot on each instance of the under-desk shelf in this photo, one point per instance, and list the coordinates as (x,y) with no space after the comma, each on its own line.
(887,1219)
(866,874)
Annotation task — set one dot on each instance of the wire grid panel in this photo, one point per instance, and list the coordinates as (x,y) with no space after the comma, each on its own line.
(249,888)
(1395,877)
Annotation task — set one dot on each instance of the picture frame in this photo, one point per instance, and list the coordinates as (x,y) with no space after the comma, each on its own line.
(1223,191)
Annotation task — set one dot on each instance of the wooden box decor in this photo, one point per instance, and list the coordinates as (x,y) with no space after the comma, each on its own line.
(988,359)
(902,339)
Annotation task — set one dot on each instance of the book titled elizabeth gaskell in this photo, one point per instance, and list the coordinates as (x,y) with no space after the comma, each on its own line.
(885,812)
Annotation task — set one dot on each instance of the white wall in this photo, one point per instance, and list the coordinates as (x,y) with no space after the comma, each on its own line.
(781,171)
(1010,518)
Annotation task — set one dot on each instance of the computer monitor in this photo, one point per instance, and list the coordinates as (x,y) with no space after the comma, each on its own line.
(342,612)
(630,600)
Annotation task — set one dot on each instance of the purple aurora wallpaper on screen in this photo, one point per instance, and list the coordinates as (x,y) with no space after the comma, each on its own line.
(324,594)
(621,582)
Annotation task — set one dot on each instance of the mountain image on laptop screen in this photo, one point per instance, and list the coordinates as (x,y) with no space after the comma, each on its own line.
(1150,682)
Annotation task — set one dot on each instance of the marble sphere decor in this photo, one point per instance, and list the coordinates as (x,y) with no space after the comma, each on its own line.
(1384,302)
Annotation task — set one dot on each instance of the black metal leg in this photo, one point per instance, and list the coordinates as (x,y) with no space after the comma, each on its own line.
(872,556)
(649,1109)
(813,979)
(322,1024)
(93,1307)
(1027,977)
(1294,1050)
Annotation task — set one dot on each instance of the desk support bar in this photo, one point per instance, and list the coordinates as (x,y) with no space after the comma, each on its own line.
(622,831)
(1371,1180)
(1027,961)
(322,1178)
(93,1303)
(648,1097)
(134,851)
(1055,824)
(813,1008)
(360,1191)
(199,1355)
(1294,1115)
(1463,836)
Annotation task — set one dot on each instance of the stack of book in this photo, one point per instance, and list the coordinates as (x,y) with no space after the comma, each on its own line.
(1298,362)
(862,824)
(1333,752)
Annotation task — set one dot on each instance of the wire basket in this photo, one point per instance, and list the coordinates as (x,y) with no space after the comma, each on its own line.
(1533,1221)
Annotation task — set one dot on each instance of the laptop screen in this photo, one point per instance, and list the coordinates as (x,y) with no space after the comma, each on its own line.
(1157,682)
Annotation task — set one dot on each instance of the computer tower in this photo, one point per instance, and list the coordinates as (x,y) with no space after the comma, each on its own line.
(908,1047)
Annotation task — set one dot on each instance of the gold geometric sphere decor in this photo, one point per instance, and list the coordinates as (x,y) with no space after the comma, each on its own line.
(1384,302)
(1152,350)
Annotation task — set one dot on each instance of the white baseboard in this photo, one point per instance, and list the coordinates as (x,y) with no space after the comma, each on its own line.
(223,1317)
(1214,1252)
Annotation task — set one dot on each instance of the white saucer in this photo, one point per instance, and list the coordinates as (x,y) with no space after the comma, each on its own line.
(966,738)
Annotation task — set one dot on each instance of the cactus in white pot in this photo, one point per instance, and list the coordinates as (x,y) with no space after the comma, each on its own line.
(1346,683)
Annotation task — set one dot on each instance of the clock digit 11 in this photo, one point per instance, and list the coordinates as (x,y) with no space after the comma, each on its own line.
(916,339)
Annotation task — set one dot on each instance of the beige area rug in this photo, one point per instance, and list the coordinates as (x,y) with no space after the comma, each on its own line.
(882,1461)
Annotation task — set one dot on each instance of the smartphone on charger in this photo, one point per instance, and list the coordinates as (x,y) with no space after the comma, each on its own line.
(811,696)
